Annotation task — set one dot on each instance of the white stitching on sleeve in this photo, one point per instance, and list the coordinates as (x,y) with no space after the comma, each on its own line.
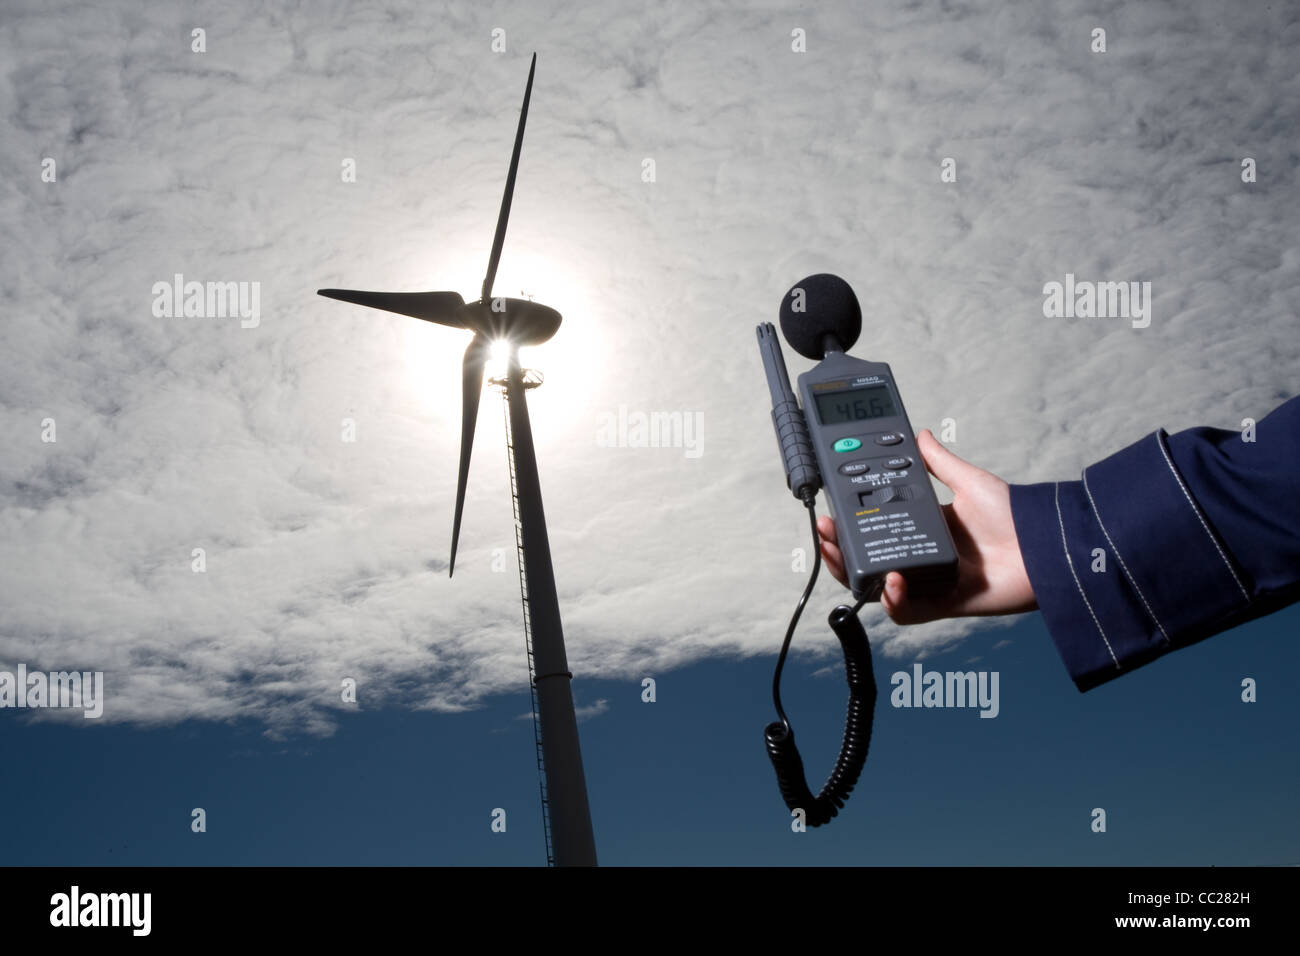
(1197,511)
(1070,561)
(1128,574)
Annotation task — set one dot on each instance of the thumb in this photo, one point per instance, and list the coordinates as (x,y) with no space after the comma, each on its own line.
(943,464)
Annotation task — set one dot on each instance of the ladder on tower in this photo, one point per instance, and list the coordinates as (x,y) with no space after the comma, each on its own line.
(528,634)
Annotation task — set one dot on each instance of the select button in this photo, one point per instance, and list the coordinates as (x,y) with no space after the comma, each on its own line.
(854,468)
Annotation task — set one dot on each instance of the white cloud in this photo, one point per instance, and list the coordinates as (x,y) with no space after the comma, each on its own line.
(327,559)
(583,712)
(594,709)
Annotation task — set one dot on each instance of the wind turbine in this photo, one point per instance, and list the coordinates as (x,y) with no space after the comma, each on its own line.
(565,814)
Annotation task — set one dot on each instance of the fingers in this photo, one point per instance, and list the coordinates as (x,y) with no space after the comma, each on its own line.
(834,563)
(831,555)
(894,598)
(826,528)
(942,463)
(902,608)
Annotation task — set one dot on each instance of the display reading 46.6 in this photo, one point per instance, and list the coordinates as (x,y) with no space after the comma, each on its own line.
(855,405)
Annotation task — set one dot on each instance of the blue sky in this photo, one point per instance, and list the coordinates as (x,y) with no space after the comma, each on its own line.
(1188,774)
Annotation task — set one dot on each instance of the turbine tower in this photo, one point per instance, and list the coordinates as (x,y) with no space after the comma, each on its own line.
(566,816)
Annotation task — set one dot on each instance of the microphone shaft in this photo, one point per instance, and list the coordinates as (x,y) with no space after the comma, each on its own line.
(801,473)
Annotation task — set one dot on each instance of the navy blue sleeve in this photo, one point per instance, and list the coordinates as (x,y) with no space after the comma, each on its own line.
(1165,543)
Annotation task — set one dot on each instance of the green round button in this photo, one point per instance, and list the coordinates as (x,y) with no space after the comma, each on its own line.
(847,444)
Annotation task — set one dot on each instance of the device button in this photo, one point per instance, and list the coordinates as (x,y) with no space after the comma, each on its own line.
(854,468)
(847,444)
(889,438)
(895,464)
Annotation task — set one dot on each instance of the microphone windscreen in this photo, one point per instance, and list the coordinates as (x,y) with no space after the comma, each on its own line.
(818,306)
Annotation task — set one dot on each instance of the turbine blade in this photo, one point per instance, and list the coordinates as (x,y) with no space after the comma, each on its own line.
(440,307)
(472,382)
(500,237)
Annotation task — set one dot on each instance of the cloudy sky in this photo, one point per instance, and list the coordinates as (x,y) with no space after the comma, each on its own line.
(326,558)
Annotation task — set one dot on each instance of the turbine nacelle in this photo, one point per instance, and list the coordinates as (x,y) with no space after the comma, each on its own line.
(519,321)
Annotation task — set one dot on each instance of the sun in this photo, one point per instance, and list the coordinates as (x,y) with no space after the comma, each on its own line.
(570,362)
(498,359)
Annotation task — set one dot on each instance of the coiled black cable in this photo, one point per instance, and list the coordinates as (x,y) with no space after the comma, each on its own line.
(779,735)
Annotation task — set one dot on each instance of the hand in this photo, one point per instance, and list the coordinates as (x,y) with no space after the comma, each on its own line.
(991,577)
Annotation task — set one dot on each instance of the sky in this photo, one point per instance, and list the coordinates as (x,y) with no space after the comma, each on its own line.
(325,558)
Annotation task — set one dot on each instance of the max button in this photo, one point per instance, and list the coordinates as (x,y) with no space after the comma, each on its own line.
(889,438)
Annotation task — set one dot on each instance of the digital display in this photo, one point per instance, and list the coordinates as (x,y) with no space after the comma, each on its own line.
(855,405)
